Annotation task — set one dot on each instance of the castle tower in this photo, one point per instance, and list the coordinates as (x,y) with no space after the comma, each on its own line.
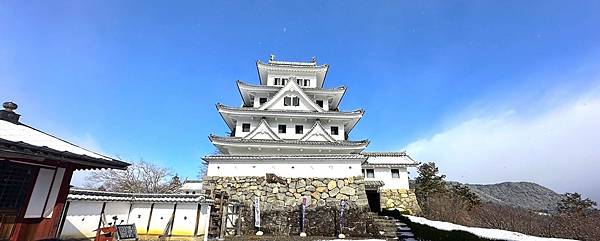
(292,126)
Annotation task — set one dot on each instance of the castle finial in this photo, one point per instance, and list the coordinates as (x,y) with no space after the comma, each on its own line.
(272,57)
(314,59)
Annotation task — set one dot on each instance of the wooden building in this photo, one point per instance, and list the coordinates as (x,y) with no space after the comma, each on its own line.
(35,172)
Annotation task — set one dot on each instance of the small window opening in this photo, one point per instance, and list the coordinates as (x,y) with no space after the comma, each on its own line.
(262,100)
(320,103)
(296,101)
(245,127)
(370,173)
(282,128)
(395,173)
(287,101)
(334,130)
(299,129)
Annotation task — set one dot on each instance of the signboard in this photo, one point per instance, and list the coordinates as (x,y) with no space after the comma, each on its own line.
(257,212)
(126,231)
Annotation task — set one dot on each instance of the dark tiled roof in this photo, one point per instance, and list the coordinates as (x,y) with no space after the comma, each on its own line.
(372,183)
(373,154)
(91,195)
(326,113)
(296,142)
(276,88)
(285,156)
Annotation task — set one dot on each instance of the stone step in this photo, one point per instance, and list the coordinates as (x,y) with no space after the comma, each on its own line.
(409,239)
(405,234)
(406,228)
(401,224)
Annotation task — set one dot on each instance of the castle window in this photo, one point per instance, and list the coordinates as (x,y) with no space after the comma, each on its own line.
(262,100)
(370,173)
(296,101)
(299,82)
(287,101)
(395,173)
(283,81)
(277,81)
(335,130)
(320,103)
(306,82)
(282,128)
(299,129)
(245,127)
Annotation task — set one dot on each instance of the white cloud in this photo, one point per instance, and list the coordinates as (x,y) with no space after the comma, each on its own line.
(558,147)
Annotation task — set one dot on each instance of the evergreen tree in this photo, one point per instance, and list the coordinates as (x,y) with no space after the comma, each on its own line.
(573,203)
(465,195)
(429,181)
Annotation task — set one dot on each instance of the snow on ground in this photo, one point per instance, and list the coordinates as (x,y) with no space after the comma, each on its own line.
(350,239)
(481,232)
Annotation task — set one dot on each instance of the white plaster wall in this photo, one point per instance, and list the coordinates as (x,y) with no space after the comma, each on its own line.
(119,209)
(161,214)
(140,215)
(56,185)
(185,219)
(290,127)
(271,78)
(204,220)
(385,174)
(39,195)
(286,168)
(81,220)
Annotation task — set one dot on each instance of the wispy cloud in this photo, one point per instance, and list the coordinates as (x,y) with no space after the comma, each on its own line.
(558,147)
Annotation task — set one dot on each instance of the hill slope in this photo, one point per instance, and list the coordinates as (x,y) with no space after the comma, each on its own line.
(518,194)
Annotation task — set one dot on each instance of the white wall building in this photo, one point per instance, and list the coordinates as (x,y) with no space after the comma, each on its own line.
(291,126)
(153,214)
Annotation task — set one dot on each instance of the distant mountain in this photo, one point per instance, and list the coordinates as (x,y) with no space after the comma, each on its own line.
(518,194)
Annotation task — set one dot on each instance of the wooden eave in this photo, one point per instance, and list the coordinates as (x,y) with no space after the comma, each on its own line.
(21,151)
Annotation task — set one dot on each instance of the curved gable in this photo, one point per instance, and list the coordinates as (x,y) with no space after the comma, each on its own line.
(317,133)
(291,89)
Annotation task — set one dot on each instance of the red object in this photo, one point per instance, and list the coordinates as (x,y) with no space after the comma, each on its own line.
(105,234)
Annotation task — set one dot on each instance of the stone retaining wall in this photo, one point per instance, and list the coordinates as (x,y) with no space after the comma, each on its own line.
(403,200)
(281,198)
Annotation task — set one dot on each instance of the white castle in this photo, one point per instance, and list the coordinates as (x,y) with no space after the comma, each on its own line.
(291,126)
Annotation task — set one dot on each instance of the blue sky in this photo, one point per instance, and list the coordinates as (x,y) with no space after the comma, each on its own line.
(139,79)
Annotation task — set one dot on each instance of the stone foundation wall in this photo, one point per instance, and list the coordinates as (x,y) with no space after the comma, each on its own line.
(403,200)
(281,198)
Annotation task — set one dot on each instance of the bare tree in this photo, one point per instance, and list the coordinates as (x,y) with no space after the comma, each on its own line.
(140,177)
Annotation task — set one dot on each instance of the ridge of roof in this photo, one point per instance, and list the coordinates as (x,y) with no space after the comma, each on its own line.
(275,88)
(241,140)
(389,153)
(252,109)
(84,194)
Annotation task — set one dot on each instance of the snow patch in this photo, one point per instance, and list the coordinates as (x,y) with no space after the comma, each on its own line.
(481,232)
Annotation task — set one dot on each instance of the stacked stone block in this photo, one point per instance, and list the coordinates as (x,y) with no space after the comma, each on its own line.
(280,204)
(403,200)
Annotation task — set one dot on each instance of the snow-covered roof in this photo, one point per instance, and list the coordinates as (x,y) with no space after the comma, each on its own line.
(386,159)
(292,67)
(18,136)
(191,185)
(91,195)
(230,114)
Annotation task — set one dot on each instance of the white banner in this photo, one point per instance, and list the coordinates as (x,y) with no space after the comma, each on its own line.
(257,212)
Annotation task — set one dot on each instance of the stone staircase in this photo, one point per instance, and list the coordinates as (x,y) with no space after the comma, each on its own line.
(392,229)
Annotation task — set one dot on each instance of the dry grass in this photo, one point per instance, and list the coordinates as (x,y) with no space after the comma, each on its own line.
(583,226)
